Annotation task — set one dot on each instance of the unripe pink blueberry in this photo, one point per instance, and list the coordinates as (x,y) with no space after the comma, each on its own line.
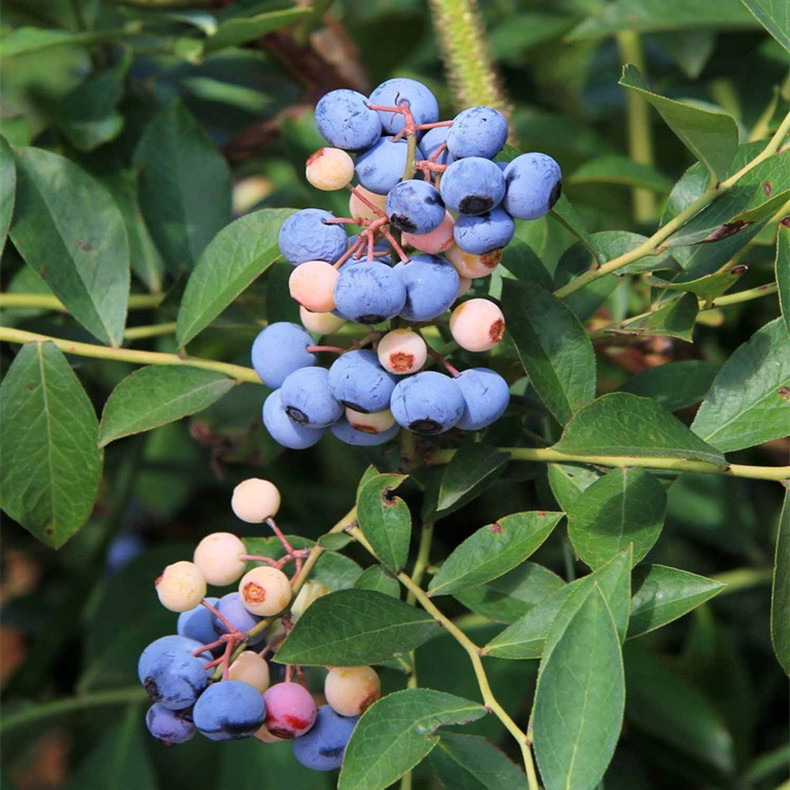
(473,266)
(181,586)
(312,285)
(350,691)
(357,208)
(250,668)
(320,323)
(329,169)
(265,590)
(402,351)
(217,556)
(254,500)
(438,240)
(290,710)
(373,423)
(477,324)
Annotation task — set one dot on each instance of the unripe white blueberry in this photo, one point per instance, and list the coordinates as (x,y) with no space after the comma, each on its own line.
(181,586)
(312,285)
(250,668)
(352,690)
(477,324)
(329,169)
(473,266)
(254,500)
(356,208)
(402,351)
(217,556)
(311,592)
(265,590)
(438,240)
(320,323)
(374,423)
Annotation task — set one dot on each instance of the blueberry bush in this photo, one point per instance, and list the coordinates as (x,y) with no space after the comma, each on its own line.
(395,394)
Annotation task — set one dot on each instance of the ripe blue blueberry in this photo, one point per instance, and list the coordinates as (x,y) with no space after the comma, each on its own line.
(229,710)
(486,397)
(431,286)
(307,399)
(343,118)
(369,293)
(343,430)
(392,93)
(169,672)
(322,748)
(305,236)
(431,140)
(472,186)
(484,233)
(427,403)
(357,380)
(170,726)
(534,185)
(198,623)
(283,429)
(279,350)
(381,167)
(233,610)
(415,206)
(477,131)
(123,548)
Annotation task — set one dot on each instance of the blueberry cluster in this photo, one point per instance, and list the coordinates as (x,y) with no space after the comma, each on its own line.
(226,635)
(434,211)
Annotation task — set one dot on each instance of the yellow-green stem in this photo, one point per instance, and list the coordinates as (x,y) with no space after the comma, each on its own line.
(420,564)
(640,138)
(548,455)
(154,330)
(49,302)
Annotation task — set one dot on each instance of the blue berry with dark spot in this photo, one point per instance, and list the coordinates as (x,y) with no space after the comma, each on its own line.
(427,403)
(381,167)
(170,726)
(472,186)
(484,233)
(477,131)
(369,293)
(169,672)
(283,429)
(305,236)
(415,206)
(534,185)
(343,118)
(279,350)
(431,286)
(323,747)
(393,93)
(357,380)
(229,710)
(486,396)
(308,400)
(343,430)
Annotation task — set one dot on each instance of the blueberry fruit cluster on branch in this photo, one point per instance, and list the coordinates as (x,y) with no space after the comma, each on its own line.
(434,211)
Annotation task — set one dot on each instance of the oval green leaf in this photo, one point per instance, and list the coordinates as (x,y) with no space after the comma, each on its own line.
(773,16)
(378,579)
(473,466)
(674,385)
(617,169)
(674,318)
(397,732)
(239,28)
(782,270)
(235,257)
(385,520)
(780,590)
(493,551)
(48,446)
(67,227)
(155,395)
(354,627)
(7,190)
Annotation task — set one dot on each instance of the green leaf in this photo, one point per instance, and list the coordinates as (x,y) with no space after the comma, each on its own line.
(397,732)
(7,190)
(240,29)
(674,385)
(782,269)
(567,482)
(493,550)
(711,136)
(27,40)
(378,579)
(470,762)
(334,541)
(617,169)
(51,464)
(657,15)
(236,256)
(155,395)
(68,228)
(774,17)
(780,591)
(624,425)
(626,506)
(553,347)
(580,698)
(674,318)
(526,638)
(511,596)
(473,467)
(522,262)
(355,627)
(749,401)
(707,287)
(385,520)
(663,594)
(569,217)
(185,186)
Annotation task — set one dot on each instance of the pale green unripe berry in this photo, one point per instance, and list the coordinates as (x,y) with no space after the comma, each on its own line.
(352,690)
(473,266)
(254,500)
(477,325)
(320,323)
(217,556)
(374,423)
(181,586)
(265,591)
(250,668)
(329,169)
(402,351)
(312,285)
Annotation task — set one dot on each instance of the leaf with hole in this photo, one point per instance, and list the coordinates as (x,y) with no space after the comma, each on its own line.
(385,520)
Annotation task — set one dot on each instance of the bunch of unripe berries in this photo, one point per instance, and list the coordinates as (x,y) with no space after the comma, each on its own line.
(213,677)
(434,212)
